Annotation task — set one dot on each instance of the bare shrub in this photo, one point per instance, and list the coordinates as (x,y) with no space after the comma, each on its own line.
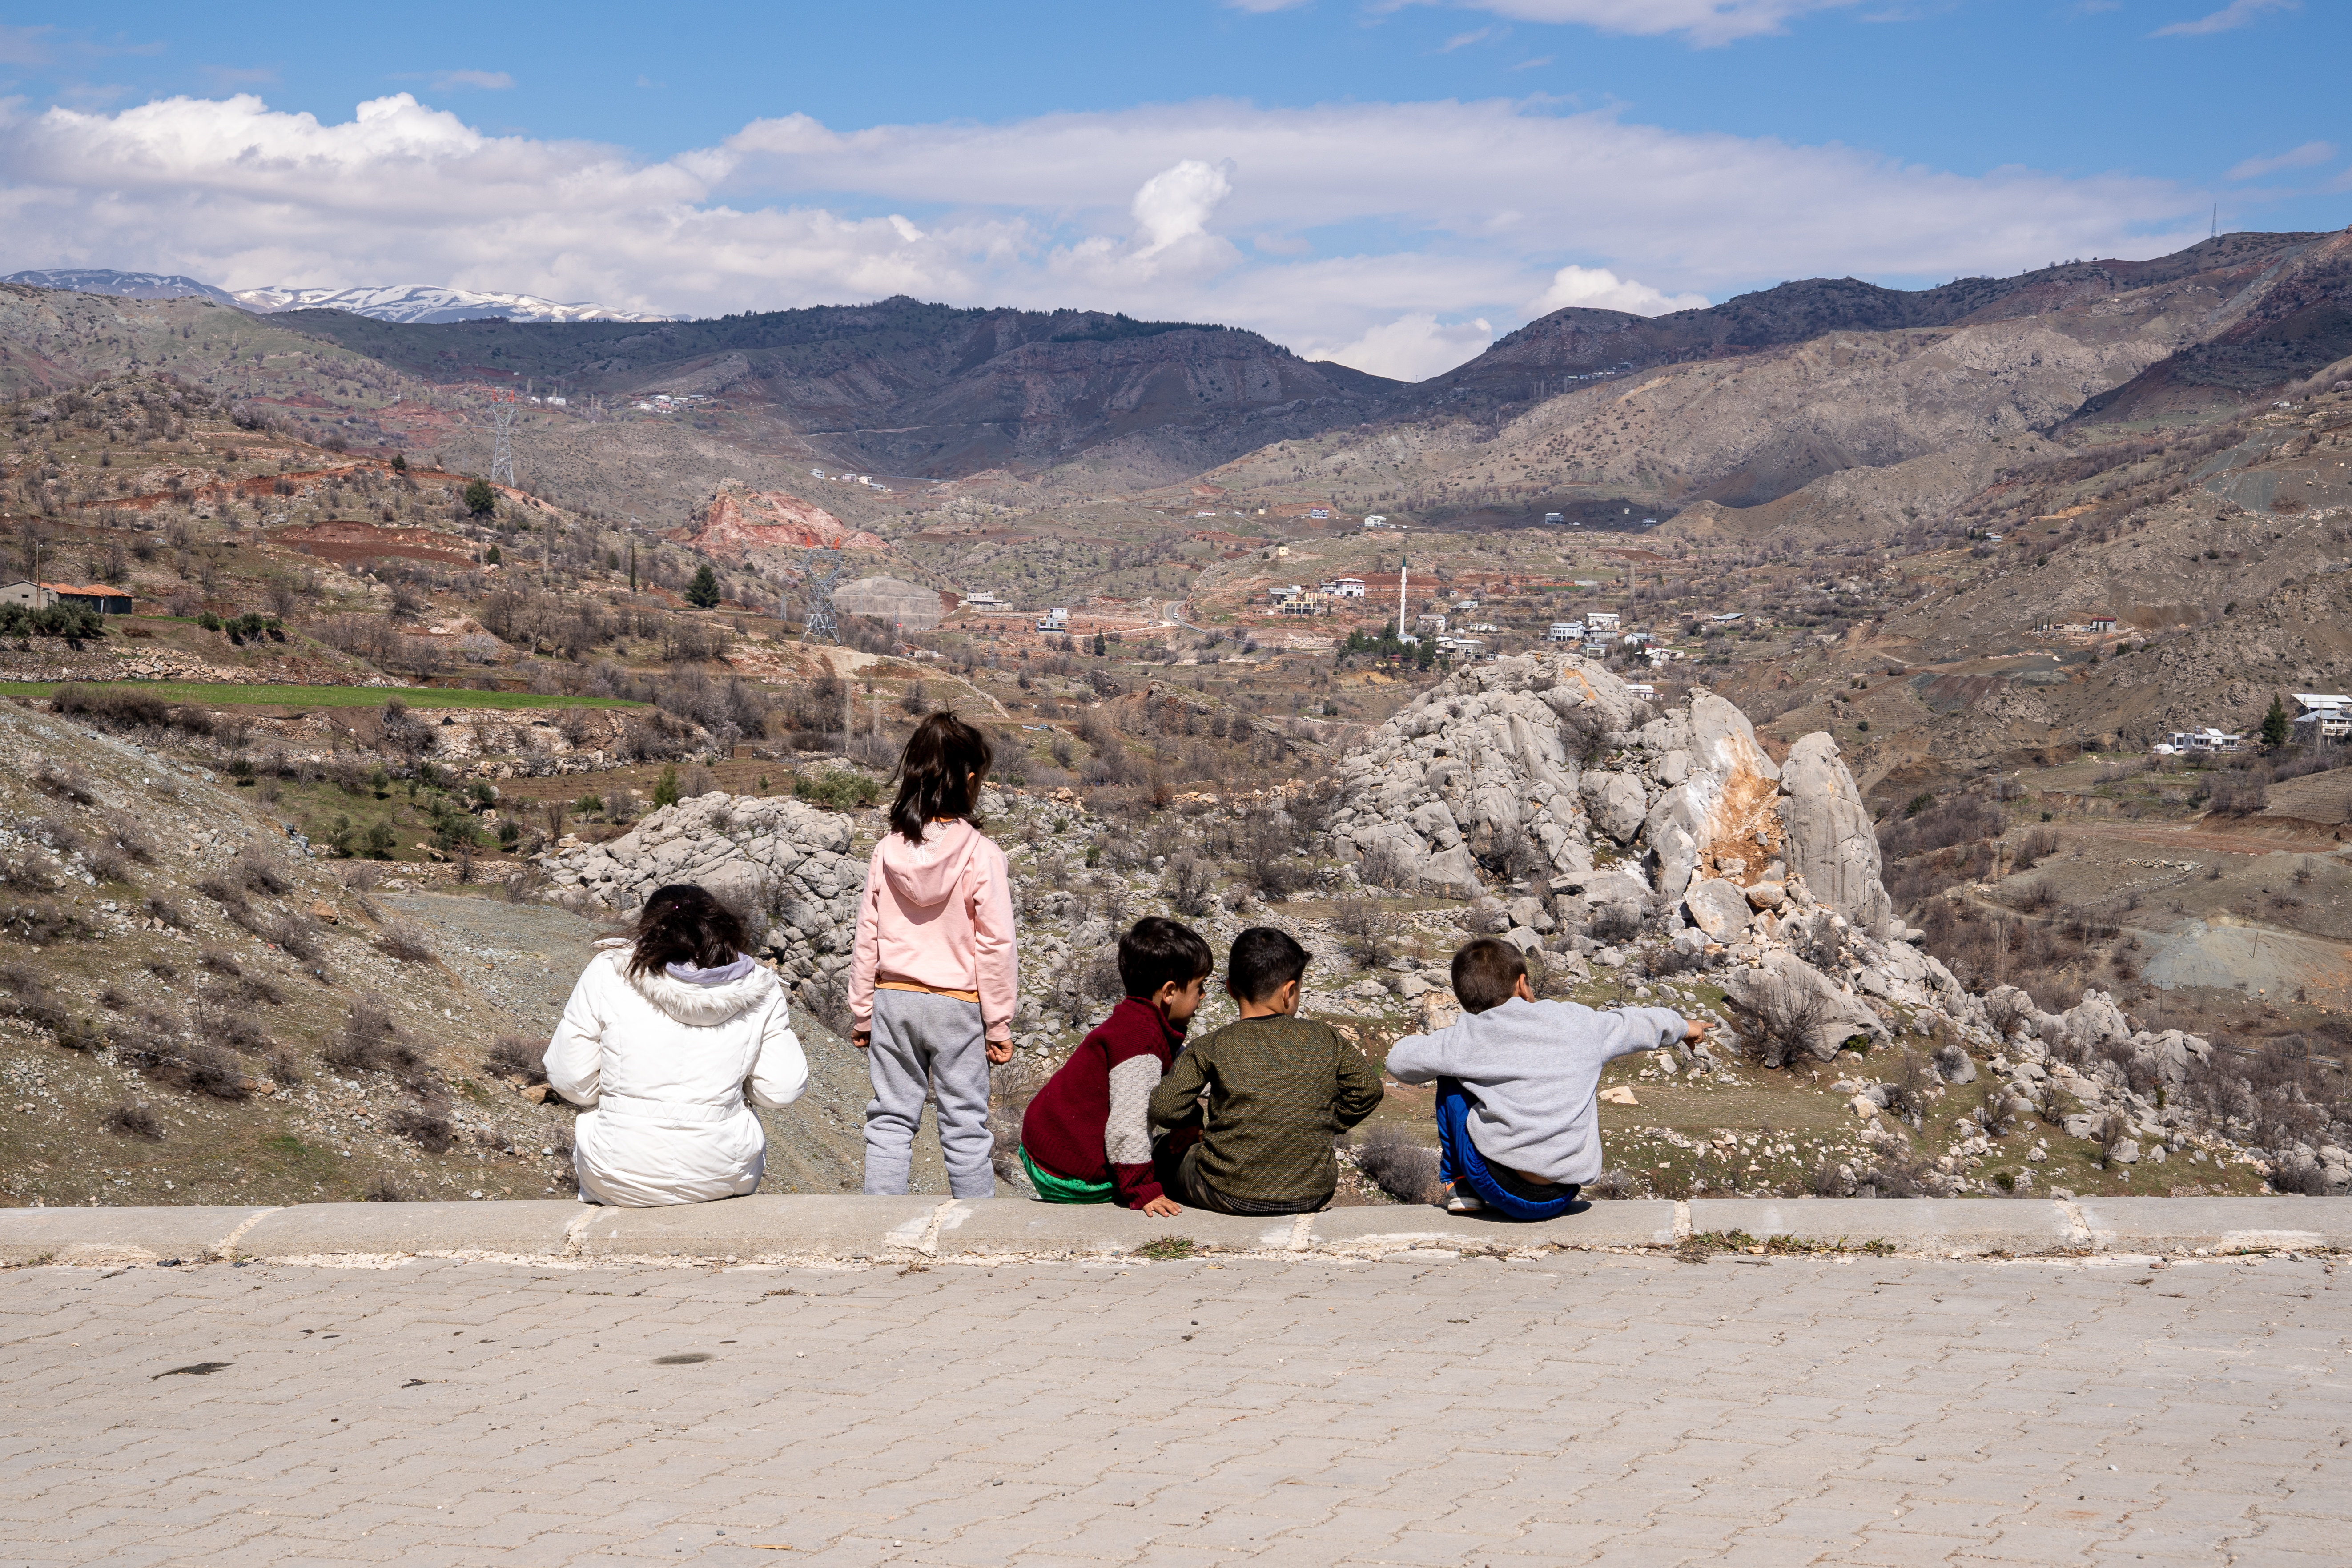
(1786,1015)
(261,988)
(1997,1109)
(222,962)
(1190,885)
(2038,845)
(70,781)
(407,943)
(426,1126)
(383,1187)
(1404,1170)
(517,1056)
(1612,1183)
(1269,847)
(370,1041)
(168,911)
(1363,928)
(262,872)
(133,1120)
(2109,1133)
(1381,867)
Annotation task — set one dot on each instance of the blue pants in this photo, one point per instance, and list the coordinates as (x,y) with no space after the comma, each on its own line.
(1459,1161)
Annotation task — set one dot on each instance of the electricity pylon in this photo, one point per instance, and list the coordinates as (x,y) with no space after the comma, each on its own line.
(502,412)
(822,576)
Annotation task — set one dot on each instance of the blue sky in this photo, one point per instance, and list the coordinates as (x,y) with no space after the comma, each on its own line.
(1389,183)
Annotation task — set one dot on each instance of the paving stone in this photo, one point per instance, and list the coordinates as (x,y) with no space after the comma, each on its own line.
(981,1408)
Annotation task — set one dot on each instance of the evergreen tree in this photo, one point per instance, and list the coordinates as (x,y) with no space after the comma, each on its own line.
(703,592)
(492,556)
(2276,726)
(1102,645)
(480,499)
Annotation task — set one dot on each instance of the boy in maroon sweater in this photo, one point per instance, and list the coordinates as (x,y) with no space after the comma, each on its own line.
(1086,1137)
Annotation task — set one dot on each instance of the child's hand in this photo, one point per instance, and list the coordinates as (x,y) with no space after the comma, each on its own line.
(1163,1207)
(1000,1051)
(861,1038)
(1696,1032)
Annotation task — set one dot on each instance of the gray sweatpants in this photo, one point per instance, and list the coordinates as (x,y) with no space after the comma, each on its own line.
(920,1044)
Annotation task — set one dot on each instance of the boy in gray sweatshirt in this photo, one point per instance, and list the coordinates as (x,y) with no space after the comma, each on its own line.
(1517,1128)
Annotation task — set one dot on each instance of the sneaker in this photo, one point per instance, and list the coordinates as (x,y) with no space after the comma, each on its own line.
(1462,1203)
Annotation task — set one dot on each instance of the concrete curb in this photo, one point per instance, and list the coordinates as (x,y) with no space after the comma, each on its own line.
(875,1229)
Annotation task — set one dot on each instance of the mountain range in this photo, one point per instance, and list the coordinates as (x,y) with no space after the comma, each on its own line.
(411,302)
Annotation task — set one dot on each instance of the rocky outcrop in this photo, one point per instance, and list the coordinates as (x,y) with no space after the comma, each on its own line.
(1549,773)
(783,861)
(738,523)
(1827,836)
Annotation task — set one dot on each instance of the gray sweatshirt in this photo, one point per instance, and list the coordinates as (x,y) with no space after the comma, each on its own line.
(1534,1069)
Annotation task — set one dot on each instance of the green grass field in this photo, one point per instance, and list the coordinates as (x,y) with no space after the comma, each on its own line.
(218,694)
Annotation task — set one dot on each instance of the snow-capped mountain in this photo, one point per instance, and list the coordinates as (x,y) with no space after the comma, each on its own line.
(124,285)
(392,303)
(427,302)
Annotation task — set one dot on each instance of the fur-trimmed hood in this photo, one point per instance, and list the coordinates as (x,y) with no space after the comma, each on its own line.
(700,1006)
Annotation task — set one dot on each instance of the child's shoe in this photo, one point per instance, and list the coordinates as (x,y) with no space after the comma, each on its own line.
(1458,1202)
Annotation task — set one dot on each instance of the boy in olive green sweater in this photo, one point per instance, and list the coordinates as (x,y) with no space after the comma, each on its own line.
(1277,1090)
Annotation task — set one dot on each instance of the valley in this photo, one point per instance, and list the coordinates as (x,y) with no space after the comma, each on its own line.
(1990,543)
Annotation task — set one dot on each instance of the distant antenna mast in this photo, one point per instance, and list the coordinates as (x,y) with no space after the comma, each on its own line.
(2217,222)
(823,573)
(502,412)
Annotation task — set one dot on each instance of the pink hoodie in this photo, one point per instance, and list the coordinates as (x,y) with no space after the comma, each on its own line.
(938,913)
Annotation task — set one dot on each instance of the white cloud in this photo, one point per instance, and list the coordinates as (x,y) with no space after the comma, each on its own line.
(495,80)
(1376,222)
(1411,348)
(1705,23)
(2303,157)
(2237,14)
(1598,289)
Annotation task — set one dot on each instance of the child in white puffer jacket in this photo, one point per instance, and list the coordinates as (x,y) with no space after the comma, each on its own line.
(665,1033)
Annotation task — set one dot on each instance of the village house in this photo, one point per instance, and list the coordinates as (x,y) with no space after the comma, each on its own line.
(1601,620)
(2321,716)
(1565,631)
(1345,588)
(106,601)
(1056,619)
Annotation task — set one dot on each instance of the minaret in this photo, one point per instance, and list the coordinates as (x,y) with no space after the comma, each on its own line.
(1400,572)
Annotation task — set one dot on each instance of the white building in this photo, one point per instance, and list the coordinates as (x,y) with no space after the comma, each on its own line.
(2323,715)
(1376,521)
(2206,740)
(1552,518)
(1056,619)
(1601,620)
(1345,588)
(1565,631)
(984,600)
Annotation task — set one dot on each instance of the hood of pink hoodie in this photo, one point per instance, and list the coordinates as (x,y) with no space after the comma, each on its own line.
(925,874)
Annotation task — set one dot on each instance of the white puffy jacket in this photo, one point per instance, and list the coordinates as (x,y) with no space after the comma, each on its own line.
(663,1064)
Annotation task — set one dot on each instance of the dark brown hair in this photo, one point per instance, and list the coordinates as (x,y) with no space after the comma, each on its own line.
(939,774)
(1263,960)
(1158,951)
(683,924)
(1486,970)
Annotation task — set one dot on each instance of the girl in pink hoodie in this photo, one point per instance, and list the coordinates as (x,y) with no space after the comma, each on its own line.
(933,978)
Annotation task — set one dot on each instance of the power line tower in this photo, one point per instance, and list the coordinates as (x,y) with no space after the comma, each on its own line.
(502,415)
(822,576)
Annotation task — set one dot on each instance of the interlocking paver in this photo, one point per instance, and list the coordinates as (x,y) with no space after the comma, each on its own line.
(1580,1409)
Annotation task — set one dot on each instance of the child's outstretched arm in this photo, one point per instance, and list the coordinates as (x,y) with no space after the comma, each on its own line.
(1176,1099)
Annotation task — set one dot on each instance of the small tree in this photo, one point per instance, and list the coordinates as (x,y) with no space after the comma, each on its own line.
(665,788)
(492,556)
(1102,645)
(2276,726)
(703,592)
(480,499)
(399,463)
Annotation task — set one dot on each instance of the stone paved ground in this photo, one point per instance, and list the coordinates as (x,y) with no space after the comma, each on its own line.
(1575,1408)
